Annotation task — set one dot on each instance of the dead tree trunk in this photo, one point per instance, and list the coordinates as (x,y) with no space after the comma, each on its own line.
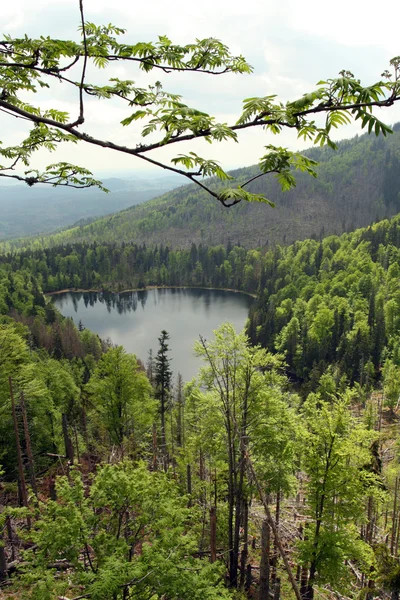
(189,483)
(263,593)
(272,524)
(213,534)
(277,589)
(28,445)
(245,548)
(154,447)
(247,584)
(304,582)
(24,495)
(276,551)
(394,517)
(69,449)
(3,561)
(11,539)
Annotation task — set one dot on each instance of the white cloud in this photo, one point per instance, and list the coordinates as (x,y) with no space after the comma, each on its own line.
(347,22)
(291,45)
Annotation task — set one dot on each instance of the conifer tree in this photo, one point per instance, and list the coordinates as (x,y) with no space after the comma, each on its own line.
(163,376)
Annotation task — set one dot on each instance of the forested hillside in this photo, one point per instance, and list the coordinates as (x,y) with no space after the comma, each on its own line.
(356,185)
(331,303)
(131,486)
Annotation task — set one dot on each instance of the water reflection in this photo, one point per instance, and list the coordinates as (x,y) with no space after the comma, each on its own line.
(122,303)
(135,319)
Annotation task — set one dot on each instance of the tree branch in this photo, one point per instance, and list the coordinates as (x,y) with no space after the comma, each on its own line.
(81,119)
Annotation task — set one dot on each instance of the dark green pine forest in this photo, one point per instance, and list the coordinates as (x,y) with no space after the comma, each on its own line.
(275,473)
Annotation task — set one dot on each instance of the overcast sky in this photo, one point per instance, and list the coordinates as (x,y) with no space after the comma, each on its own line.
(291,45)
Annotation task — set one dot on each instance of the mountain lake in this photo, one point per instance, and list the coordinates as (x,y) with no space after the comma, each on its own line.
(135,320)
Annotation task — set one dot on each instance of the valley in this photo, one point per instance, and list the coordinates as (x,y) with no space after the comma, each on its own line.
(199,383)
(356,185)
(26,211)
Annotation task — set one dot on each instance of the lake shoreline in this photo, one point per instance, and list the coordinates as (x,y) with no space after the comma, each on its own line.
(149,287)
(134,320)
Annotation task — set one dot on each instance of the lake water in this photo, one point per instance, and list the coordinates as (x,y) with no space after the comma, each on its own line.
(135,319)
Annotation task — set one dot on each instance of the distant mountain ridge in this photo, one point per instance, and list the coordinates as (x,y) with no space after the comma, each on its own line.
(43,209)
(356,185)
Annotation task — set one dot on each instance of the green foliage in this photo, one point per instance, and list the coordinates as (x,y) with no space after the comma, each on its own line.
(320,303)
(388,569)
(332,302)
(336,455)
(391,384)
(134,529)
(121,395)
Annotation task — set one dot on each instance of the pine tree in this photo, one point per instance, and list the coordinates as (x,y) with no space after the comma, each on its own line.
(163,376)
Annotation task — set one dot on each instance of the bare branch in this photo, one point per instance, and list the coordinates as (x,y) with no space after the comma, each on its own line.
(81,118)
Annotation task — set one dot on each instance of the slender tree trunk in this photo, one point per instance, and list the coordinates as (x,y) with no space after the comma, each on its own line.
(247,584)
(394,518)
(179,432)
(189,483)
(3,561)
(10,536)
(313,564)
(369,533)
(213,534)
(77,444)
(245,549)
(263,593)
(396,546)
(172,439)
(22,484)
(69,449)
(231,500)
(28,445)
(277,589)
(163,438)
(276,551)
(154,447)
(202,466)
(241,505)
(304,582)
(239,509)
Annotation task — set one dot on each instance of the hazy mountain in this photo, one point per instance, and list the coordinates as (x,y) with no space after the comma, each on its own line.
(41,209)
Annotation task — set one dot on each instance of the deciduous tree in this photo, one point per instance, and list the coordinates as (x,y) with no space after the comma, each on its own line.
(122,397)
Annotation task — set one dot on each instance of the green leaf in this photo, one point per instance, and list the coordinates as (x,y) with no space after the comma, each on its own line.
(238,194)
(139,114)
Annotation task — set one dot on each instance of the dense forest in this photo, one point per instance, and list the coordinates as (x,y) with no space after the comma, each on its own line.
(329,303)
(275,470)
(356,185)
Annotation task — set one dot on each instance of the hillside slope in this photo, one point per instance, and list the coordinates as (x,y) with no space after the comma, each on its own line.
(356,185)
